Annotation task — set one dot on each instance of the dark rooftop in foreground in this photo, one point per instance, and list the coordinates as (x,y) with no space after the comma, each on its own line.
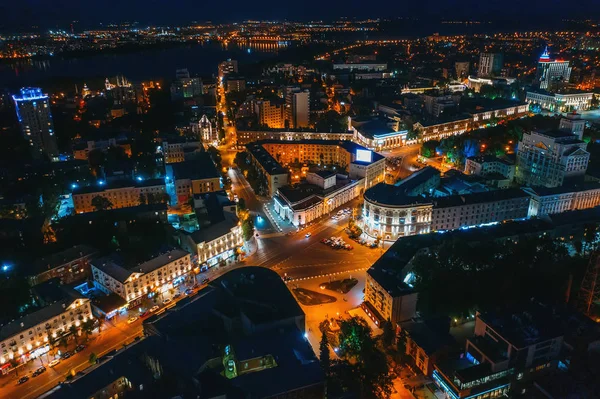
(62,257)
(201,167)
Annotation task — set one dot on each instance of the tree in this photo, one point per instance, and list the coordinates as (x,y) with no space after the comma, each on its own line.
(324,354)
(93,358)
(247,229)
(73,330)
(101,203)
(388,333)
(355,335)
(164,198)
(142,199)
(241,205)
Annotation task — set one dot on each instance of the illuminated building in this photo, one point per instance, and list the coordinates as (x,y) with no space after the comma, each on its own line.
(121,194)
(297,107)
(549,158)
(377,134)
(388,298)
(208,134)
(215,243)
(176,150)
(364,67)
(26,338)
(235,84)
(156,276)
(548,201)
(196,176)
(484,165)
(551,72)
(70,265)
(490,64)
(270,115)
(228,67)
(249,136)
(560,102)
(81,151)
(185,86)
(35,120)
(572,123)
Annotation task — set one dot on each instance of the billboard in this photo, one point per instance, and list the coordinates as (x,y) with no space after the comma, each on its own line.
(364,155)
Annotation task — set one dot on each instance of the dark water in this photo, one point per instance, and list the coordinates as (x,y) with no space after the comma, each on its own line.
(200,60)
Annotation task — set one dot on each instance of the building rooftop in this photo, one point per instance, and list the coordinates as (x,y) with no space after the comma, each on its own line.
(426,337)
(480,197)
(215,230)
(113,264)
(525,326)
(32,319)
(490,159)
(118,184)
(265,159)
(401,193)
(201,167)
(324,173)
(60,258)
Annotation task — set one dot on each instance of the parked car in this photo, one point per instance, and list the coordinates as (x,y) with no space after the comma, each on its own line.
(38,371)
(132,319)
(206,281)
(79,348)
(54,363)
(189,291)
(176,295)
(23,380)
(167,301)
(67,355)
(154,308)
(307,235)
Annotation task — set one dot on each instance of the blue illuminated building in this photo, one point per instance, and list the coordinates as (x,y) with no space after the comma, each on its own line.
(35,120)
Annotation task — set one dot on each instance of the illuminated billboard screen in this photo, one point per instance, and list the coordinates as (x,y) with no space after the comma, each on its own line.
(364,155)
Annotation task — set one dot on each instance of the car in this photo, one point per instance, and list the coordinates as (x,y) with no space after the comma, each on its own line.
(176,295)
(54,363)
(132,319)
(23,380)
(167,301)
(146,313)
(38,371)
(307,235)
(79,348)
(206,281)
(154,308)
(189,291)
(67,355)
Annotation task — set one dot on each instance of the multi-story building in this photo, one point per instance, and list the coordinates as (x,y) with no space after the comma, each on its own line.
(377,134)
(548,201)
(235,84)
(433,130)
(297,107)
(157,275)
(490,64)
(573,123)
(436,104)
(196,176)
(81,151)
(176,150)
(560,102)
(215,243)
(248,136)
(121,194)
(484,165)
(30,336)
(35,120)
(548,158)
(270,115)
(388,297)
(409,208)
(362,67)
(228,67)
(551,72)
(70,265)
(461,211)
(185,86)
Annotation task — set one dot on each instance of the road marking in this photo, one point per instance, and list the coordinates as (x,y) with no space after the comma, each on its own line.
(324,275)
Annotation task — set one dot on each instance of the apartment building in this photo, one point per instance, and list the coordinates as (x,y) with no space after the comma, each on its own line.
(387,297)
(177,150)
(157,275)
(270,115)
(248,136)
(549,201)
(30,336)
(121,194)
(196,176)
(70,265)
(485,165)
(548,158)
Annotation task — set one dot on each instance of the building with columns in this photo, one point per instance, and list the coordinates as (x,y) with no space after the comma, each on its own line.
(560,102)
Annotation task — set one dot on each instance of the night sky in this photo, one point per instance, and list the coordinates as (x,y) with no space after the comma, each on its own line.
(57,13)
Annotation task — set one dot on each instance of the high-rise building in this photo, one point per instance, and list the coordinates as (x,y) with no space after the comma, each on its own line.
(185,86)
(35,119)
(270,115)
(227,67)
(490,64)
(551,73)
(549,158)
(297,107)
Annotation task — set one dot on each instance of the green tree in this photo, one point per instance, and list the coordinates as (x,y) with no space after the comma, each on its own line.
(73,330)
(324,354)
(354,336)
(241,205)
(247,229)
(388,333)
(93,358)
(101,203)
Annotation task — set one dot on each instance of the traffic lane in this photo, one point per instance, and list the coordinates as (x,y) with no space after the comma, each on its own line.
(109,340)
